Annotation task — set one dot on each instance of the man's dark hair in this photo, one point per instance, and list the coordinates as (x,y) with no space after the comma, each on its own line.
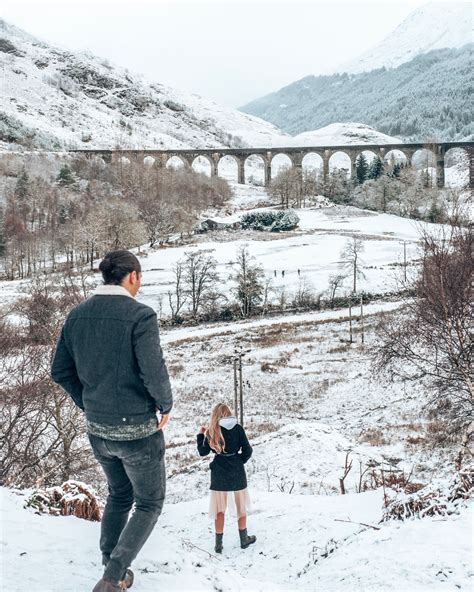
(117,264)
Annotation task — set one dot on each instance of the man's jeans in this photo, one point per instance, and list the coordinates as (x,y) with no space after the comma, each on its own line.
(135,471)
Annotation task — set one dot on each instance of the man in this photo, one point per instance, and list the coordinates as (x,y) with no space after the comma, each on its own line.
(109,359)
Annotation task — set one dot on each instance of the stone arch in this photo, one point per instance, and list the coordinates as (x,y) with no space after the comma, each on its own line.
(312,161)
(279,162)
(394,159)
(395,155)
(176,161)
(369,155)
(340,160)
(456,167)
(99,161)
(228,168)
(254,168)
(149,160)
(202,164)
(423,161)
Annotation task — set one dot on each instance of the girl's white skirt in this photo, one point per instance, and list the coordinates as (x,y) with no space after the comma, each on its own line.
(238,502)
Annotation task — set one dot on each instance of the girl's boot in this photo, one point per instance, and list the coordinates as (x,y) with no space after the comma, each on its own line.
(245,539)
(218,545)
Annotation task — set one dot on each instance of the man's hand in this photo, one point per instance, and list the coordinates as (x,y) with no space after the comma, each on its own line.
(163,421)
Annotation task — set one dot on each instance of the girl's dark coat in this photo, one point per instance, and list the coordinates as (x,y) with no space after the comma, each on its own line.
(228,472)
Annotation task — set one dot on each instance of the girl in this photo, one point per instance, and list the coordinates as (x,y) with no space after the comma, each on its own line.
(225,437)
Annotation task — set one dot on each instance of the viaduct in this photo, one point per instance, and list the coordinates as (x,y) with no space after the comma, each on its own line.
(295,154)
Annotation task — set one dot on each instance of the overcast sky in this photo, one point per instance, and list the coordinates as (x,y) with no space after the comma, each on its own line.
(226,50)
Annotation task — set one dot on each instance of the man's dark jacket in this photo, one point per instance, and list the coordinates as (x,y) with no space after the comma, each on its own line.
(109,359)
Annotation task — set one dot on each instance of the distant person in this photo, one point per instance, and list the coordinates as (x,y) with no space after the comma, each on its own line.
(282,273)
(109,359)
(228,440)
(298,272)
(274,273)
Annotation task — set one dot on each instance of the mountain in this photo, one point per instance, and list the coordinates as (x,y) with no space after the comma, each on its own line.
(52,98)
(429,97)
(433,26)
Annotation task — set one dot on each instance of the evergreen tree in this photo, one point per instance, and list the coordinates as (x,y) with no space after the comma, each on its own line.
(23,195)
(397,168)
(22,187)
(376,168)
(362,169)
(2,234)
(66,176)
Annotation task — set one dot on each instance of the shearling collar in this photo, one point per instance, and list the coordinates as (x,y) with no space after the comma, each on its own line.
(111,290)
(228,422)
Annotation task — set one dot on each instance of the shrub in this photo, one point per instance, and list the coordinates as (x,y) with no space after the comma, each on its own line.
(270,220)
(72,498)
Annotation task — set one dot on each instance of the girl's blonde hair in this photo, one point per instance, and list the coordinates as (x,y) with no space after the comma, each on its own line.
(213,432)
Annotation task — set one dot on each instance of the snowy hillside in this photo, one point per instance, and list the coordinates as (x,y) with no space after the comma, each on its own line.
(54,98)
(319,405)
(340,134)
(432,26)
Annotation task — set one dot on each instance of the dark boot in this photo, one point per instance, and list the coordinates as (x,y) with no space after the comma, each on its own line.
(127,581)
(106,585)
(218,545)
(245,539)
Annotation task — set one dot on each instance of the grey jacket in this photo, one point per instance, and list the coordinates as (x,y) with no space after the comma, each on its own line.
(109,359)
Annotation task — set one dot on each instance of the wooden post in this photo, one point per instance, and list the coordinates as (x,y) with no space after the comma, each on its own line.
(236,409)
(405,260)
(362,316)
(350,322)
(241,391)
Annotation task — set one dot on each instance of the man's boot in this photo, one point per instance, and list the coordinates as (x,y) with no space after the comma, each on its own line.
(106,585)
(245,539)
(218,545)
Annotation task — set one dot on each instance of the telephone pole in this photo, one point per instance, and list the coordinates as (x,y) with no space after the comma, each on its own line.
(239,384)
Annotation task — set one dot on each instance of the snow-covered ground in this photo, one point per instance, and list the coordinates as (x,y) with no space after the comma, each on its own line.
(314,248)
(48,554)
(310,400)
(317,404)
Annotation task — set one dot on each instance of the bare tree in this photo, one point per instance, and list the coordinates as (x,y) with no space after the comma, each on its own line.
(178,297)
(351,260)
(42,428)
(335,283)
(431,338)
(286,186)
(200,277)
(304,295)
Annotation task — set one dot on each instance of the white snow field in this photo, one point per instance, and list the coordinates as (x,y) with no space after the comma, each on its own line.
(59,554)
(313,248)
(310,400)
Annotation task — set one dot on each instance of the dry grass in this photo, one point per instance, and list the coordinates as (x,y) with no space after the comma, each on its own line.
(175,369)
(374,437)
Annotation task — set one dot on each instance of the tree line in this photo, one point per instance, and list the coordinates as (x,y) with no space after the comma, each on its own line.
(89,208)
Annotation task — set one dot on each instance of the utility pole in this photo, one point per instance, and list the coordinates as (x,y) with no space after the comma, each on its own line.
(362,316)
(239,384)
